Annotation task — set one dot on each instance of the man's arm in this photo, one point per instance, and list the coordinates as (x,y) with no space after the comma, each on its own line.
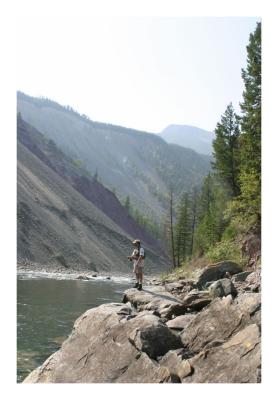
(132,257)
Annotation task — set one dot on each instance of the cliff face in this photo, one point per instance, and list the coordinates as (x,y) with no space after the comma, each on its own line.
(188,331)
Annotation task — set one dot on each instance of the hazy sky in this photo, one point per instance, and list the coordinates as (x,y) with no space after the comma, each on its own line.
(144,73)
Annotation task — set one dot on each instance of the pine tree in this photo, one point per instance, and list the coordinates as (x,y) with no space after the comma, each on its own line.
(127,203)
(226,150)
(182,235)
(168,229)
(250,168)
(212,203)
(193,217)
(172,230)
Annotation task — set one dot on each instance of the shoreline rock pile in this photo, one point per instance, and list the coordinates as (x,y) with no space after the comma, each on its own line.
(179,331)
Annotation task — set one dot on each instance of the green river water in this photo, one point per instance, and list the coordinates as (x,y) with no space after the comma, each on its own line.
(47,309)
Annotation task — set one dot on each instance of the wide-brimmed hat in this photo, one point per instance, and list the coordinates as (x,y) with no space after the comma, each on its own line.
(136,241)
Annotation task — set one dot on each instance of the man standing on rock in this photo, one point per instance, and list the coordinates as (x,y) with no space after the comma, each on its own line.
(137,257)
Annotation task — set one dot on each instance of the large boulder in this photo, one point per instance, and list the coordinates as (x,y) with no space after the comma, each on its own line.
(215,272)
(155,299)
(222,287)
(236,361)
(106,346)
(155,339)
(196,300)
(217,322)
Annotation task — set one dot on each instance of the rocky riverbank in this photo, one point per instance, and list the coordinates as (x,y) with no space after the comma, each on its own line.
(59,272)
(204,329)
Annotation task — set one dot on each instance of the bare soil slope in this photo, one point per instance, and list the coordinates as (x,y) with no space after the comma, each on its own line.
(57,225)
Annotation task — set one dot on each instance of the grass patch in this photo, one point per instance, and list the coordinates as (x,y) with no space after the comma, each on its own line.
(221,251)
(187,269)
(227,250)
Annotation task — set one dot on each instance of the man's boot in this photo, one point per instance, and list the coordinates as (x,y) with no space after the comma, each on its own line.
(136,285)
(140,286)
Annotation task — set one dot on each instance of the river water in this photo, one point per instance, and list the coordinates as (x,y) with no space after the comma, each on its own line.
(47,308)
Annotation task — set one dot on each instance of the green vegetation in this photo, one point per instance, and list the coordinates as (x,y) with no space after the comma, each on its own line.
(228,204)
(227,151)
(149,223)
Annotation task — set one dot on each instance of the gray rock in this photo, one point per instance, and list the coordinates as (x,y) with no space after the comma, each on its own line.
(254,280)
(251,248)
(180,286)
(155,299)
(83,277)
(171,360)
(249,303)
(184,369)
(196,300)
(177,365)
(222,287)
(215,272)
(98,350)
(236,361)
(144,370)
(241,277)
(154,340)
(181,322)
(174,287)
(217,322)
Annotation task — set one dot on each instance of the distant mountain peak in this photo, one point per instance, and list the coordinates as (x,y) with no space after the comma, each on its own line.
(189,136)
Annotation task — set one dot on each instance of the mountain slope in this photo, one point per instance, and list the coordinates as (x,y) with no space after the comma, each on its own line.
(138,164)
(57,225)
(190,137)
(80,179)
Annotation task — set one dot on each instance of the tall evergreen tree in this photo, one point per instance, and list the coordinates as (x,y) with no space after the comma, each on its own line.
(172,230)
(127,203)
(193,218)
(212,203)
(226,150)
(182,231)
(250,169)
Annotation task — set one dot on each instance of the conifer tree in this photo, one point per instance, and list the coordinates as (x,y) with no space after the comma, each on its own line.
(250,141)
(212,203)
(172,230)
(182,230)
(193,218)
(127,203)
(226,150)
